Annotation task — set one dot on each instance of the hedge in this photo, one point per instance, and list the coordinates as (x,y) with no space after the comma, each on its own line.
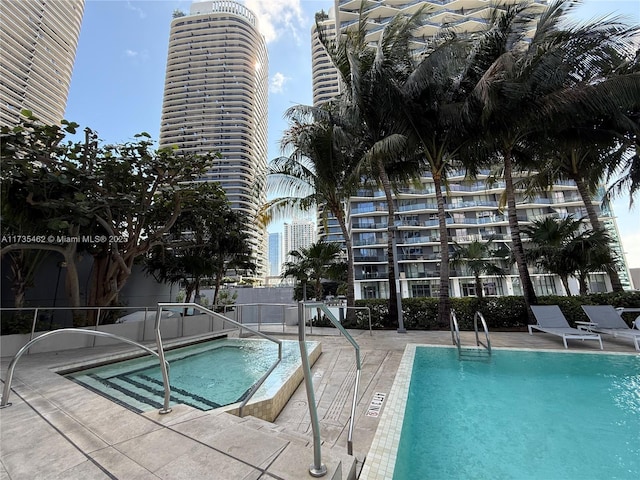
(500,313)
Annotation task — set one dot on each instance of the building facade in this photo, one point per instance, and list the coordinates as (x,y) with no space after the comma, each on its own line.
(275,254)
(215,100)
(39,39)
(298,234)
(473,211)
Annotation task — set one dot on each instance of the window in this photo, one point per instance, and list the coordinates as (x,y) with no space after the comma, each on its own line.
(468,289)
(420,290)
(544,285)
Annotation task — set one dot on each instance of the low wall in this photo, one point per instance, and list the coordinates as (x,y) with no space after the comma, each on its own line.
(139,331)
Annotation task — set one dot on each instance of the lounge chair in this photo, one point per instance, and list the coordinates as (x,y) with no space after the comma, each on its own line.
(551,320)
(605,319)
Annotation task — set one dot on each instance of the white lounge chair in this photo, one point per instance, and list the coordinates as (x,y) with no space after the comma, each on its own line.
(607,320)
(551,320)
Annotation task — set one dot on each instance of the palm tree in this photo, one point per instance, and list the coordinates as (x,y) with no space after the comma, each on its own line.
(319,171)
(320,260)
(480,258)
(548,238)
(580,154)
(564,248)
(590,253)
(368,99)
(549,81)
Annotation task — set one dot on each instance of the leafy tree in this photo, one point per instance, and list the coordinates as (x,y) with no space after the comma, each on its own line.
(44,194)
(320,170)
(100,197)
(207,239)
(480,258)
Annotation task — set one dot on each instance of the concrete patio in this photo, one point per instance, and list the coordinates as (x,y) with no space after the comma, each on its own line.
(56,429)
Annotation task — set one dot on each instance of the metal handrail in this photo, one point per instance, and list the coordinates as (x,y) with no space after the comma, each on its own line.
(164,366)
(317,468)
(339,326)
(453,324)
(368,309)
(195,306)
(486,331)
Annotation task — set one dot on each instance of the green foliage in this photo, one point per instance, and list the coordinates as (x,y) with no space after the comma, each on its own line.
(113,201)
(310,265)
(207,239)
(500,313)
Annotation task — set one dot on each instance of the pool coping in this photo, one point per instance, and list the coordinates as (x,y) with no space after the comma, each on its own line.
(381,459)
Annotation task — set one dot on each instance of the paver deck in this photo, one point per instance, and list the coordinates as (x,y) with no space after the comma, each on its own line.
(56,429)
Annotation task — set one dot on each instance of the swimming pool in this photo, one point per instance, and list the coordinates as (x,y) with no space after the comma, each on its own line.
(519,414)
(204,376)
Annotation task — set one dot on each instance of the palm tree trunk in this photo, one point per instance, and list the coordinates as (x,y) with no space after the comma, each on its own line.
(565,284)
(444,302)
(528,292)
(393,291)
(616,284)
(351,296)
(479,291)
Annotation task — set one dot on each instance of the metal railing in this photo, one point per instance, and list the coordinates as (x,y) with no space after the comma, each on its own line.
(99,310)
(328,305)
(486,331)
(455,330)
(195,306)
(4,402)
(318,469)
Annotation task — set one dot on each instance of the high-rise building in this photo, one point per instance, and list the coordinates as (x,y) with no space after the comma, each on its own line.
(472,205)
(298,234)
(38,40)
(275,254)
(215,100)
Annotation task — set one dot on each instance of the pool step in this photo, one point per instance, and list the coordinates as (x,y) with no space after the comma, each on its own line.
(474,353)
(142,392)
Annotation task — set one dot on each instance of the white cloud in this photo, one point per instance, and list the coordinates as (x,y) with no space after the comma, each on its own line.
(137,56)
(138,10)
(276,85)
(279,17)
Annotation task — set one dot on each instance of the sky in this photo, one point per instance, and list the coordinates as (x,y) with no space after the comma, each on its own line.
(118,77)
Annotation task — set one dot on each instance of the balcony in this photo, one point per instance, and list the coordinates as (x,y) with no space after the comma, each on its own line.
(381,275)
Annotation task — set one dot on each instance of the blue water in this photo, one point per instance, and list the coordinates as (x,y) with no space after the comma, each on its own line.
(521,415)
(205,376)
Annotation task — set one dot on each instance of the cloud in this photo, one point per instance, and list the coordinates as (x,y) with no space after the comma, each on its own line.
(276,85)
(137,56)
(138,10)
(279,17)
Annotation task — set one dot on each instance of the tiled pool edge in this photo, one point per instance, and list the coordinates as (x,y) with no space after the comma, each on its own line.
(381,459)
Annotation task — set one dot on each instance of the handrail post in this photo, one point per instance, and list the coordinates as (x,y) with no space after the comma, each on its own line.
(33,325)
(356,347)
(485,328)
(453,323)
(93,341)
(317,469)
(163,368)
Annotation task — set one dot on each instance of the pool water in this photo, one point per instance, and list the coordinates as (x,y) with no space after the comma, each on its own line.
(205,376)
(521,415)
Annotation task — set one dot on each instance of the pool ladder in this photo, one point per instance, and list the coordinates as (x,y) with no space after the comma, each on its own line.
(455,336)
